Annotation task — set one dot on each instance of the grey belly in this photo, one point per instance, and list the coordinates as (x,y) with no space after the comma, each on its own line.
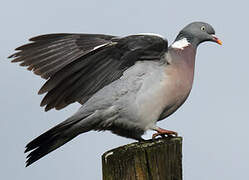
(170,109)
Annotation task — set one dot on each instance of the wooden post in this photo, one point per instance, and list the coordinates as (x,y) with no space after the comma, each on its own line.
(159,159)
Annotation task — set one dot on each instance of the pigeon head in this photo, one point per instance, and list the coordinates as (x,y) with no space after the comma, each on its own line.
(198,32)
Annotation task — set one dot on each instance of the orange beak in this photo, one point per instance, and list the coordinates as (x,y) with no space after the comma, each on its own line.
(217,40)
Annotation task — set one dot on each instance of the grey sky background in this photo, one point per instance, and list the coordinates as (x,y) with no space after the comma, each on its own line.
(214,121)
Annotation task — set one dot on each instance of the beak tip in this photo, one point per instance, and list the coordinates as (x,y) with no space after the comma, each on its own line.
(217,40)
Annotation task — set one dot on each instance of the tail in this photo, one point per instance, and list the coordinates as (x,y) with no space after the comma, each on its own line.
(53,139)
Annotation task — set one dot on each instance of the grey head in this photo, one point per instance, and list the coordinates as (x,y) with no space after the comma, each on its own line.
(198,32)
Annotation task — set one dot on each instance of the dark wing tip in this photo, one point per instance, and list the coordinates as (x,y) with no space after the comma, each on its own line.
(41,91)
(26,150)
(11,56)
(27,163)
(47,108)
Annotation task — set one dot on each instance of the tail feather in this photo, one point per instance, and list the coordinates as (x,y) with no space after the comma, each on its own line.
(47,147)
(43,138)
(53,139)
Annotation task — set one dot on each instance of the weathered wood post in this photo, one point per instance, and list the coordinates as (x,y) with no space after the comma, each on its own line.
(159,159)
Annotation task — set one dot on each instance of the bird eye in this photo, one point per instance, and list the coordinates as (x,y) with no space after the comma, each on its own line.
(203,28)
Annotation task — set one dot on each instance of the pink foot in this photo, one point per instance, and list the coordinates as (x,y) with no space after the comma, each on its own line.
(163,132)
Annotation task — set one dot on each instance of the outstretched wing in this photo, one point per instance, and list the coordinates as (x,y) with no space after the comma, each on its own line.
(78,65)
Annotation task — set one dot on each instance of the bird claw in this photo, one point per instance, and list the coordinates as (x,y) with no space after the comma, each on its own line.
(162,132)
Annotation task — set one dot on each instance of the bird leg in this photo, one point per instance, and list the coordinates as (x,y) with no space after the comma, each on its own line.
(163,132)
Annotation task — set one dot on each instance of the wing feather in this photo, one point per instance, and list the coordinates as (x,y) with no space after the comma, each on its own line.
(76,66)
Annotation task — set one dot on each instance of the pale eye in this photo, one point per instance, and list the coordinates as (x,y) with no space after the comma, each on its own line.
(203,28)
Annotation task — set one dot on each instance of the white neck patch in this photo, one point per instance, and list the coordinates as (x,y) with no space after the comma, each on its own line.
(180,44)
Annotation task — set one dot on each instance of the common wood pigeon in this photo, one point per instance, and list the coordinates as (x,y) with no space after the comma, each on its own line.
(125,84)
